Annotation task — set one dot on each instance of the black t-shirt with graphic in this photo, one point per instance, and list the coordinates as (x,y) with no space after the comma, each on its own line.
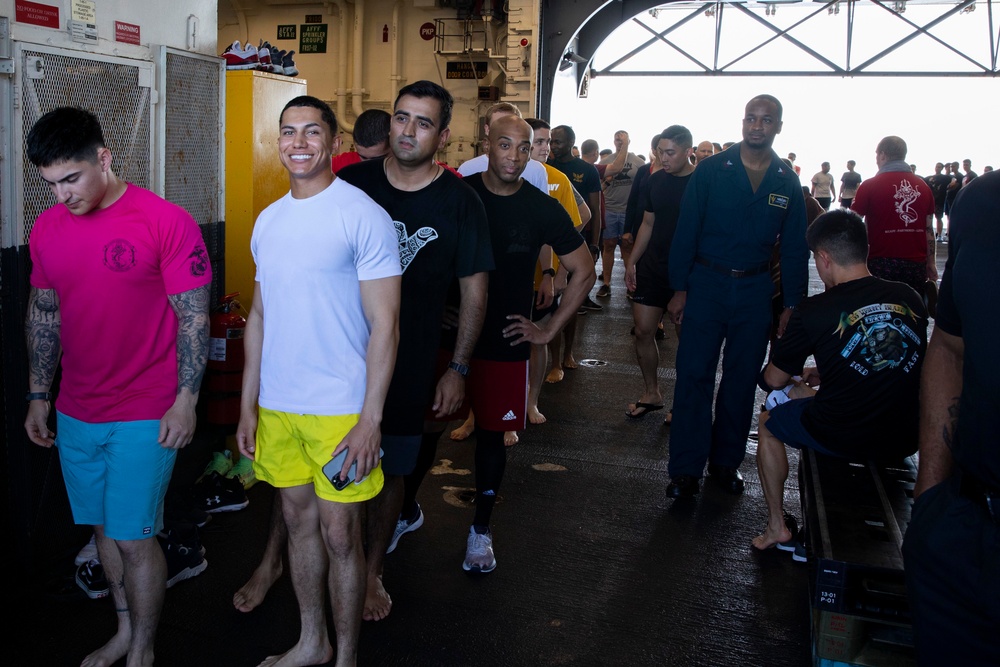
(938,183)
(663,199)
(868,337)
(582,175)
(443,235)
(520,224)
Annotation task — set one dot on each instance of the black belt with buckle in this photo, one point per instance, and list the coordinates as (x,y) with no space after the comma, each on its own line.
(734,273)
(980,493)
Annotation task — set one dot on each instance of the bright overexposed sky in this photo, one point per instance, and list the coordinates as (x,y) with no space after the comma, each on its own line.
(828,119)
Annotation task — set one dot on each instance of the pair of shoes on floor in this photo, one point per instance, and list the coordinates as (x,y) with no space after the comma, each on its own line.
(222,464)
(88,552)
(90,578)
(604,291)
(215,493)
(729,479)
(479,558)
(683,486)
(183,552)
(404,526)
(796,545)
(243,472)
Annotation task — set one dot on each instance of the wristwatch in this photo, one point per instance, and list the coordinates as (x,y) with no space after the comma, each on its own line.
(461,369)
(38,396)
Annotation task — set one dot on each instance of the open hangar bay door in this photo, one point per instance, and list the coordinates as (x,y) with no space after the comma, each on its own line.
(965,32)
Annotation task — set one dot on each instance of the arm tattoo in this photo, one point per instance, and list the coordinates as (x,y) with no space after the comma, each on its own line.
(42,330)
(191,308)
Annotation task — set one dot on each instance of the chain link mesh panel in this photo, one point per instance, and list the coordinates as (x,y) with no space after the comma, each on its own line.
(193,152)
(112,92)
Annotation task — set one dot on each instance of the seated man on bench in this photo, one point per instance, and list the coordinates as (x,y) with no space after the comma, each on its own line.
(868,337)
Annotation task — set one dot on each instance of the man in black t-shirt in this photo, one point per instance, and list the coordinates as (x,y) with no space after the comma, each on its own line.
(646,268)
(521,219)
(952,545)
(938,183)
(868,337)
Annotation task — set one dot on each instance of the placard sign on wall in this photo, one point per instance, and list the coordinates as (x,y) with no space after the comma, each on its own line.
(312,38)
(286,32)
(36,13)
(127,33)
(465,70)
(314,18)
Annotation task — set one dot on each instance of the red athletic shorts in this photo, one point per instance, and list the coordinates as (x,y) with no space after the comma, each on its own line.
(496,391)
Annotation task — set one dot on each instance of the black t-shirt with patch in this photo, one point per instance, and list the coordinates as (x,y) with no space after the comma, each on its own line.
(582,175)
(663,199)
(443,235)
(868,337)
(520,224)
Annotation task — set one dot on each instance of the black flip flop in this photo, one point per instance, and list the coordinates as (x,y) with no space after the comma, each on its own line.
(645,407)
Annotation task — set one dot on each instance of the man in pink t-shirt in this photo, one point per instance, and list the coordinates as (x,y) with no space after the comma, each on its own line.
(119,289)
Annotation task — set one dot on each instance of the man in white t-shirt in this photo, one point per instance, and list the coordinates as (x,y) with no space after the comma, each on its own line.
(316,376)
(822,186)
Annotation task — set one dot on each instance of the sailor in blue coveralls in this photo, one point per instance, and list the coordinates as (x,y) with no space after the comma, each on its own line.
(737,206)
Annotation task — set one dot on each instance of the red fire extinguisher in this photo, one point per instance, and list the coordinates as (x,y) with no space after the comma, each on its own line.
(224,373)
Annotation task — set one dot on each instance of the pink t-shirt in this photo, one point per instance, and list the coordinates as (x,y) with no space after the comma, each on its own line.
(112,270)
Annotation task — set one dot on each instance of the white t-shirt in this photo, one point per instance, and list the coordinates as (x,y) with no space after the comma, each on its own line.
(311,255)
(534,173)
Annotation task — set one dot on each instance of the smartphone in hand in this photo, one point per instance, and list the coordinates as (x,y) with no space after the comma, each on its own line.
(333,467)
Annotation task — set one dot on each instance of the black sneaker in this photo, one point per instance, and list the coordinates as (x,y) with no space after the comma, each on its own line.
(590,304)
(184,559)
(90,577)
(604,291)
(216,493)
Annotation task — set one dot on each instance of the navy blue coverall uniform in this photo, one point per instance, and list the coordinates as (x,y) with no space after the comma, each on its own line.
(720,256)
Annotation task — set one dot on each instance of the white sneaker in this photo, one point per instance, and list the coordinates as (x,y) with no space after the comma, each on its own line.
(479,553)
(403,526)
(87,553)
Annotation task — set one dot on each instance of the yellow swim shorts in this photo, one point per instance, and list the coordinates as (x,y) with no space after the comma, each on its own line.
(292,450)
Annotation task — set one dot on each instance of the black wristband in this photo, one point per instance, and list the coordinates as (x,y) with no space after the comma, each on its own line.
(461,369)
(549,272)
(39,396)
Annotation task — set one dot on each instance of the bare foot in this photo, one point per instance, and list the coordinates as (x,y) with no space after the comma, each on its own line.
(510,438)
(569,363)
(463,431)
(255,590)
(555,375)
(770,537)
(378,604)
(300,656)
(110,653)
(534,416)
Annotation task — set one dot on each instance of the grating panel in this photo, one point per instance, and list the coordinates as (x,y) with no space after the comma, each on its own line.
(112,91)
(193,139)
